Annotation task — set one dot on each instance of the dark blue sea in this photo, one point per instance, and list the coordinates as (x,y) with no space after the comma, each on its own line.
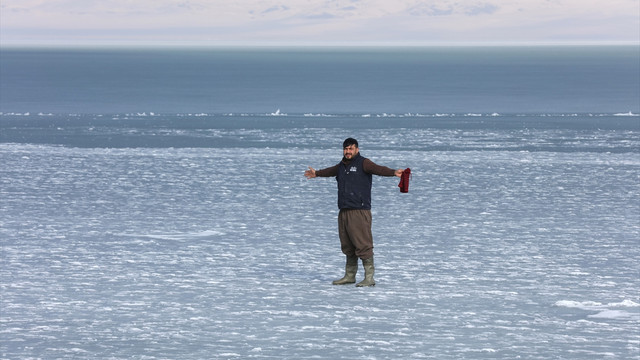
(153,203)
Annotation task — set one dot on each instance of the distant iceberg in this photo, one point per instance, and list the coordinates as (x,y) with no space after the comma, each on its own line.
(626,114)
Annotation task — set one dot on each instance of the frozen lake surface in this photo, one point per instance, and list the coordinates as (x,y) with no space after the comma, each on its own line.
(229,252)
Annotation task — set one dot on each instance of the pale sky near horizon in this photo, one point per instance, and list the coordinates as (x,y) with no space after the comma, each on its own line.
(319,22)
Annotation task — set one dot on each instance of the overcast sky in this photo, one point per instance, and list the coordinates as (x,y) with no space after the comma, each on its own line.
(318,22)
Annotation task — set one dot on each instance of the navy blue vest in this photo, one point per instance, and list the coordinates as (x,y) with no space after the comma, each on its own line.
(354,185)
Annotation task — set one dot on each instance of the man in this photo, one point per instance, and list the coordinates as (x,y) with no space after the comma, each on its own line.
(354,175)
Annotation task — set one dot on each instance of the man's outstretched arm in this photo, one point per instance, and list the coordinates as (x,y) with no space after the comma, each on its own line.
(328,172)
(375,169)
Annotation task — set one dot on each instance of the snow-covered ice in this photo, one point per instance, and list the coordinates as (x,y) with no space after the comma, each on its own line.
(192,253)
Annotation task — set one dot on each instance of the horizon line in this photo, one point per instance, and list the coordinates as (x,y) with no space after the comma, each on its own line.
(284,44)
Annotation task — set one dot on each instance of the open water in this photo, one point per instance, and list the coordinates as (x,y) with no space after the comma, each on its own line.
(153,203)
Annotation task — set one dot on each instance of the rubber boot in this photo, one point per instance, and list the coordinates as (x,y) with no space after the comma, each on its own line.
(368,273)
(349,272)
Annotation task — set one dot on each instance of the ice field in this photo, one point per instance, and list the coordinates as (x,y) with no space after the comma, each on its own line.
(509,244)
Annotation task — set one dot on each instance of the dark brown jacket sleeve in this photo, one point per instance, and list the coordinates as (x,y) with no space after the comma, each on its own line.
(328,172)
(375,169)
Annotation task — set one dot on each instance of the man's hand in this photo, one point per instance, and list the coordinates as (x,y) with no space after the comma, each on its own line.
(399,172)
(311,173)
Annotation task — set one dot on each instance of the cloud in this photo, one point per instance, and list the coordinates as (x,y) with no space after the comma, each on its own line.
(430,10)
(314,21)
(275,9)
(324,15)
(481,9)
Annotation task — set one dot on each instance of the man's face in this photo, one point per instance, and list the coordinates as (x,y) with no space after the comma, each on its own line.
(350,151)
